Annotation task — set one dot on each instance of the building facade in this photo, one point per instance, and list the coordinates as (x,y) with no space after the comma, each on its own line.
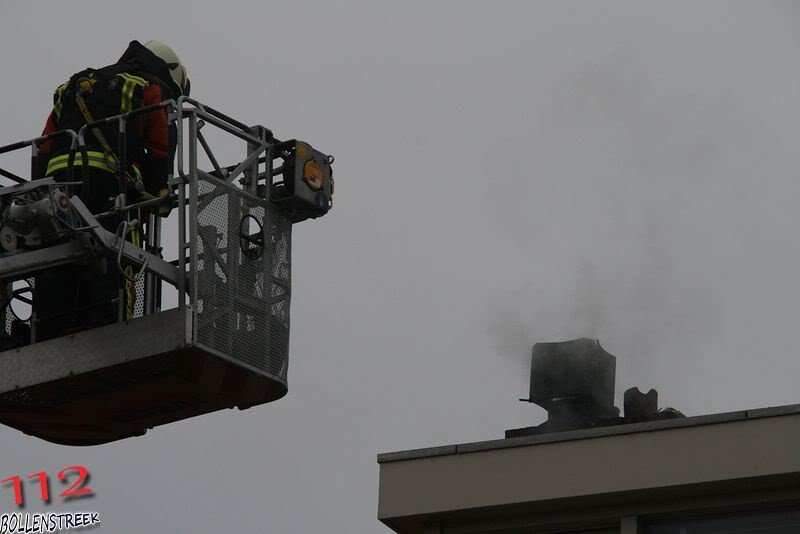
(728,473)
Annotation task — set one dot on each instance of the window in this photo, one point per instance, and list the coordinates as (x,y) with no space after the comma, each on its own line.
(773,522)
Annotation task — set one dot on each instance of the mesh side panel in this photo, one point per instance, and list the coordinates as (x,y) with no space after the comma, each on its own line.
(16,330)
(243,278)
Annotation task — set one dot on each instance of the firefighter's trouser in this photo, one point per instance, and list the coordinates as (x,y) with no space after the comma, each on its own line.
(76,297)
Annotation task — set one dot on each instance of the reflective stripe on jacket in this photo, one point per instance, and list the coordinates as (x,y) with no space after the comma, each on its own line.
(97,160)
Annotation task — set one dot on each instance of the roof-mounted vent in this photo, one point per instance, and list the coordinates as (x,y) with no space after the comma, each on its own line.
(574,382)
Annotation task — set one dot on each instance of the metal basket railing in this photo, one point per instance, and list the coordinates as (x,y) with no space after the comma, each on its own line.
(232,261)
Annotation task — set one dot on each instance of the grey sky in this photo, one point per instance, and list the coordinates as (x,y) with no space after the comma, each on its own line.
(507,172)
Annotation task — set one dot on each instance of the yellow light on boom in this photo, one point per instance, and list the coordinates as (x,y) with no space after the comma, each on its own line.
(313,175)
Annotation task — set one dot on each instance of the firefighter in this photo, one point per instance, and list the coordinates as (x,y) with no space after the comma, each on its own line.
(72,298)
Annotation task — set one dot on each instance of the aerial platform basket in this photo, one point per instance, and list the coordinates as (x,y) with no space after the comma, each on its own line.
(224,344)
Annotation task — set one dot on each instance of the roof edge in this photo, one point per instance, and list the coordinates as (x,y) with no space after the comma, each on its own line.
(589,433)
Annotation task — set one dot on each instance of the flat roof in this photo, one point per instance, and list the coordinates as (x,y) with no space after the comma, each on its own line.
(572,435)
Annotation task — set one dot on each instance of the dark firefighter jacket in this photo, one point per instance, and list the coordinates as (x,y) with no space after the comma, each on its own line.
(137,80)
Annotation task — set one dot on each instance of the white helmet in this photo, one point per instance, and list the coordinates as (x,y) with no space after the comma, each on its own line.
(176,69)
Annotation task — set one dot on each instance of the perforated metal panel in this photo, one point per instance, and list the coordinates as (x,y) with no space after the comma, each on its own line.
(15,317)
(138,305)
(243,274)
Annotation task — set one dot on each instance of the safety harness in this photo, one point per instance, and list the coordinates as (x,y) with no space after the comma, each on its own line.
(107,160)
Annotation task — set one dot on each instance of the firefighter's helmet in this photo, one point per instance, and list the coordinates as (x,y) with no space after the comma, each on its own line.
(176,68)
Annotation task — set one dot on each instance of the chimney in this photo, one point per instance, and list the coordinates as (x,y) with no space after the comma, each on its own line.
(574,382)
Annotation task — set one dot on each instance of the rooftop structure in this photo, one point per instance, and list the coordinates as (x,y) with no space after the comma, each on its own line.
(588,470)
